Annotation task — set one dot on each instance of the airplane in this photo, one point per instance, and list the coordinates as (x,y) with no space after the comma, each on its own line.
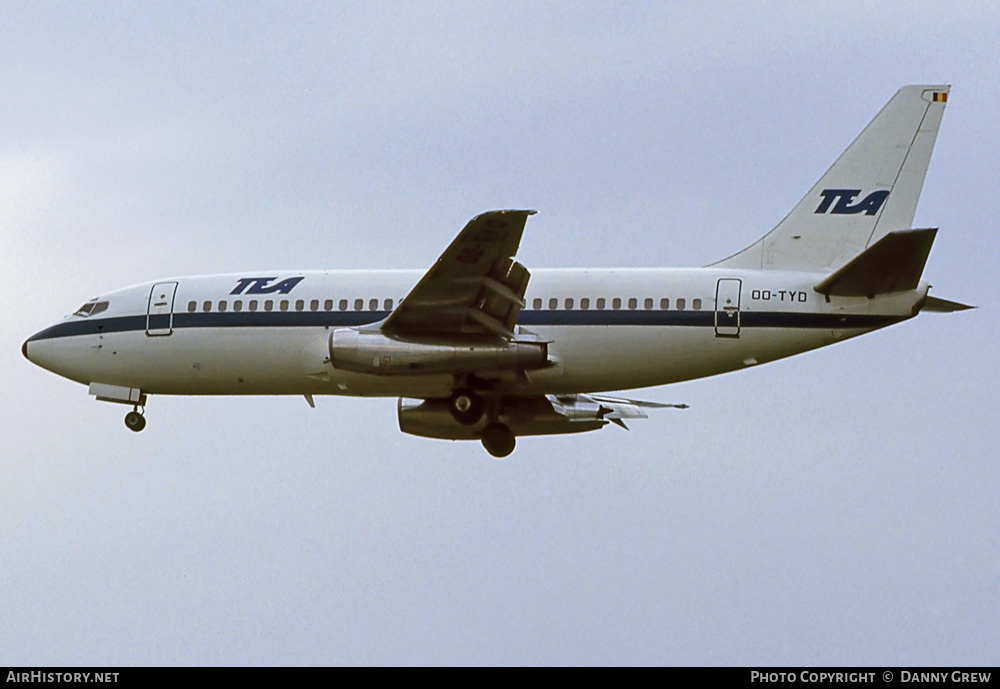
(474,353)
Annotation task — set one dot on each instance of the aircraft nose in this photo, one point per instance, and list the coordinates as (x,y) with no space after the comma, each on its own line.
(52,353)
(30,346)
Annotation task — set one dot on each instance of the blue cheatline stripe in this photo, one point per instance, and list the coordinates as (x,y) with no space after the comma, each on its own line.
(344,319)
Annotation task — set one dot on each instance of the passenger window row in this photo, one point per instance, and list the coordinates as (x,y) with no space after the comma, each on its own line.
(288,305)
(632,303)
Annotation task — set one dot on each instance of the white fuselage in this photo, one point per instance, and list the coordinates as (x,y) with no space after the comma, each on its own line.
(610,329)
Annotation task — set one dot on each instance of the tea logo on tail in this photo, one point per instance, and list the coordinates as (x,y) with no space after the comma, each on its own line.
(869,205)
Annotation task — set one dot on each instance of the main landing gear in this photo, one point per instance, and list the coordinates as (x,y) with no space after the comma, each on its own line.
(498,439)
(134,421)
(466,406)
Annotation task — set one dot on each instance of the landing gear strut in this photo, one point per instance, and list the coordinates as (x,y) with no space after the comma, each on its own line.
(498,439)
(466,406)
(134,421)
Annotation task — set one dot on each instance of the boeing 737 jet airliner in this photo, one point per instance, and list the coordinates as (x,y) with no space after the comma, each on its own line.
(473,352)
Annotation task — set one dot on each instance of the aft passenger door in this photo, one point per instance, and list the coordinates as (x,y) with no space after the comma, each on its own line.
(727,307)
(160,314)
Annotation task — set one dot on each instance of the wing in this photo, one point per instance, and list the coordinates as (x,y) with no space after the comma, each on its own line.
(475,290)
(589,407)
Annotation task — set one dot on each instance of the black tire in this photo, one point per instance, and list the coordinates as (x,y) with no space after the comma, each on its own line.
(498,440)
(134,421)
(467,407)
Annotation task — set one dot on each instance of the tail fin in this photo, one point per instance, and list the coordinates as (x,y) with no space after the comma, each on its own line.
(870,191)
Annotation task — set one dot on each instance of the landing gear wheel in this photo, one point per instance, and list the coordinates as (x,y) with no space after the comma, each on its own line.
(467,407)
(498,440)
(134,421)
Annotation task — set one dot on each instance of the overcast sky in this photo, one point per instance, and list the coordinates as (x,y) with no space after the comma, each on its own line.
(835,508)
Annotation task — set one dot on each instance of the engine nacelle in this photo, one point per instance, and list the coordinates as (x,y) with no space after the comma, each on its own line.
(374,353)
(522,415)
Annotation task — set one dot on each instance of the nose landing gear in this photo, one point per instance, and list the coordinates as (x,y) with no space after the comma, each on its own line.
(134,421)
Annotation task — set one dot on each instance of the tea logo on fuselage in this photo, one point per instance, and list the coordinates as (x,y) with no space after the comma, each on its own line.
(264,286)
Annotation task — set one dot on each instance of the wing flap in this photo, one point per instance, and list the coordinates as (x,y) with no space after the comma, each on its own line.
(474,290)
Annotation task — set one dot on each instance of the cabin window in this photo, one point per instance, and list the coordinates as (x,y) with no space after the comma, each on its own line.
(537,303)
(328,305)
(222,305)
(192,306)
(387,305)
(206,307)
(268,305)
(553,304)
(253,304)
(647,303)
(633,303)
(696,304)
(342,305)
(283,304)
(359,304)
(616,303)
(238,305)
(664,304)
(585,303)
(300,305)
(681,304)
(373,304)
(314,305)
(569,302)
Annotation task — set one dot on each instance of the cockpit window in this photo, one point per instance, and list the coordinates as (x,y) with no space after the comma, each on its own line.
(91,308)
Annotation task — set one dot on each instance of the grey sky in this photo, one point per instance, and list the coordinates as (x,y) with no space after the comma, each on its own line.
(839,507)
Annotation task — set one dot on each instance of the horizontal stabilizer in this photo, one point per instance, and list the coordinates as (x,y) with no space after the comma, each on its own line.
(892,264)
(937,305)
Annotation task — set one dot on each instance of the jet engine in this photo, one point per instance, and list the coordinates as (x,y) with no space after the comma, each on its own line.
(375,353)
(522,415)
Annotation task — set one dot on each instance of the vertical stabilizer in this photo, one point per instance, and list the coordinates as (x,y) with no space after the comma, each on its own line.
(870,191)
